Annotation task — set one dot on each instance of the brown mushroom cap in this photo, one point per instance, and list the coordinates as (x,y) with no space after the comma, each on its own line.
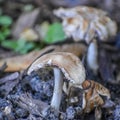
(68,63)
(85,23)
(92,96)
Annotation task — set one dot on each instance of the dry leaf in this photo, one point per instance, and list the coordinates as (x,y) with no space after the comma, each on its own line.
(26,20)
(29,34)
(21,62)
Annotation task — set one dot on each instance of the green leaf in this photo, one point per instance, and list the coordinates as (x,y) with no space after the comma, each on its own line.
(6,32)
(24,46)
(2,37)
(9,44)
(21,46)
(55,34)
(5,20)
(28,7)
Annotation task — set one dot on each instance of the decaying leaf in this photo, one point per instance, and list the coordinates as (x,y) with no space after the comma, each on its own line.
(18,63)
(86,23)
(29,34)
(42,29)
(25,21)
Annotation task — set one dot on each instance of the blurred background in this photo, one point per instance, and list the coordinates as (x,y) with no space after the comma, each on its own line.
(24,24)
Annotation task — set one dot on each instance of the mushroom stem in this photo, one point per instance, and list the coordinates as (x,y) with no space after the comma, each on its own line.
(57,92)
(92,56)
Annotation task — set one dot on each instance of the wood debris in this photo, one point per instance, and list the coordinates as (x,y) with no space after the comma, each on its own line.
(11,81)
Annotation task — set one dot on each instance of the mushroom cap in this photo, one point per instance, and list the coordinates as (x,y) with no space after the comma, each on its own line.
(96,87)
(93,95)
(85,23)
(68,63)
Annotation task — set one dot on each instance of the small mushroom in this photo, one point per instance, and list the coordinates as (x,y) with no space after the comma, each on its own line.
(86,23)
(93,96)
(63,63)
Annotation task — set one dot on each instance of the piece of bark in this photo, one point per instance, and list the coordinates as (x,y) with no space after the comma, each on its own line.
(9,80)
(105,67)
(6,88)
(21,62)
(3,67)
(10,77)
(26,20)
(34,106)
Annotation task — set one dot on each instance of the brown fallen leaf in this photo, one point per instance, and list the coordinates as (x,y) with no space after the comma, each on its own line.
(26,20)
(21,62)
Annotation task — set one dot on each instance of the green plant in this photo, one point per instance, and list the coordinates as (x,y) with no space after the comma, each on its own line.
(5,22)
(20,45)
(54,34)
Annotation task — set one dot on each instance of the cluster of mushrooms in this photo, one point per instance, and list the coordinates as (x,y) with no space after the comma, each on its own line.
(81,23)
(69,66)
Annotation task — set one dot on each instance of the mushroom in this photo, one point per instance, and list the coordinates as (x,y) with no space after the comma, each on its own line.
(93,95)
(63,63)
(86,23)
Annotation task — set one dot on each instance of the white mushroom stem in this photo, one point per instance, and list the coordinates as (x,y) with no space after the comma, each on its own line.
(57,92)
(92,56)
